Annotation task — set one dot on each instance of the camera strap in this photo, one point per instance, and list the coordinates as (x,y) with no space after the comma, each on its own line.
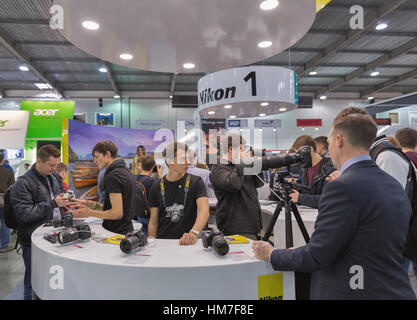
(186,188)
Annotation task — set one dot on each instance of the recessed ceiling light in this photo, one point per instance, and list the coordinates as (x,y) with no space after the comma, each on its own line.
(103,70)
(43,86)
(313,73)
(262,115)
(275,130)
(264,44)
(1,96)
(381,26)
(282,109)
(189,65)
(264,104)
(171,96)
(317,129)
(375,74)
(371,98)
(232,117)
(91,25)
(269,5)
(211,112)
(126,56)
(323,97)
(228,106)
(116,96)
(302,129)
(23,68)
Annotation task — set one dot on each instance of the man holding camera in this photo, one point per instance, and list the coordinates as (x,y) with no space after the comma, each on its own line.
(37,197)
(238,210)
(174,201)
(119,186)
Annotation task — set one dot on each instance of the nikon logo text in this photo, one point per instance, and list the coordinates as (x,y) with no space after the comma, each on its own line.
(210,95)
(45,112)
(3,123)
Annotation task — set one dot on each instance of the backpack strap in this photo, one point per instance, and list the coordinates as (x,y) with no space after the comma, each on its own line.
(144,191)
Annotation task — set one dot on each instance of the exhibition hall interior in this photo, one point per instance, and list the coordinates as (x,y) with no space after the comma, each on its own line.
(208,150)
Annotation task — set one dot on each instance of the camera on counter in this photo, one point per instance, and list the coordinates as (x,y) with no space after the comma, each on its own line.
(80,232)
(175,212)
(133,241)
(66,221)
(216,240)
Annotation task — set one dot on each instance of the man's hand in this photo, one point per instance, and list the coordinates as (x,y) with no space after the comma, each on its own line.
(262,250)
(333,176)
(81,208)
(61,200)
(159,170)
(294,196)
(188,238)
(79,202)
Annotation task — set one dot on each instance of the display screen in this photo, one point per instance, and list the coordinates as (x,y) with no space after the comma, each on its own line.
(12,154)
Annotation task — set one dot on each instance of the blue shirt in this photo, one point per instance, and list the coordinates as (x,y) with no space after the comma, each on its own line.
(352,161)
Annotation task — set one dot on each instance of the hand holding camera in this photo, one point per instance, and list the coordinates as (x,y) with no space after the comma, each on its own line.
(61,200)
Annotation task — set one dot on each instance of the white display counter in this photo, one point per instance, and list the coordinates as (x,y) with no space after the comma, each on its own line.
(165,271)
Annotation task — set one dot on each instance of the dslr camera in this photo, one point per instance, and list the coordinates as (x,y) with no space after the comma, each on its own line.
(66,221)
(216,240)
(175,212)
(133,240)
(81,231)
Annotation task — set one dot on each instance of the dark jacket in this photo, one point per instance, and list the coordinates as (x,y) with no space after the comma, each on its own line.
(363,221)
(32,213)
(317,184)
(238,209)
(6,178)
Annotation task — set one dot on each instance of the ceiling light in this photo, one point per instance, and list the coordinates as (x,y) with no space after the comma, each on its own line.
(275,130)
(228,106)
(211,112)
(262,115)
(116,96)
(91,25)
(374,74)
(371,98)
(43,86)
(264,104)
(171,96)
(103,70)
(126,56)
(23,68)
(1,96)
(282,109)
(188,65)
(269,5)
(381,26)
(303,129)
(313,73)
(261,130)
(323,98)
(317,129)
(264,44)
(232,117)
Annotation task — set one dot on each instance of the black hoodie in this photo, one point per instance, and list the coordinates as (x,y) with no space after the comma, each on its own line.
(118,179)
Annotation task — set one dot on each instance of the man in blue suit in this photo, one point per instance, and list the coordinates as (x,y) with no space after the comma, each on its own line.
(356,249)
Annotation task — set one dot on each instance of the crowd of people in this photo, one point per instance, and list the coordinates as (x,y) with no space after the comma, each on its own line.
(362,185)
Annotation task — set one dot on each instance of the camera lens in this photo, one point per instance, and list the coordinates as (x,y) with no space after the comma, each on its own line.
(220,245)
(175,217)
(127,245)
(68,236)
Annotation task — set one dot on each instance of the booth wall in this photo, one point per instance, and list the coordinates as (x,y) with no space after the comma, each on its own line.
(404,120)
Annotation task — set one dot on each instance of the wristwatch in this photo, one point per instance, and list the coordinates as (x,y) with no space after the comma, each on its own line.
(197,233)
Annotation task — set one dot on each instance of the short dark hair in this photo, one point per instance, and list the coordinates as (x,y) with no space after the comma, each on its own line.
(394,141)
(351,110)
(141,147)
(305,140)
(1,157)
(360,130)
(407,137)
(48,151)
(148,163)
(173,148)
(104,146)
(322,140)
(61,167)
(227,141)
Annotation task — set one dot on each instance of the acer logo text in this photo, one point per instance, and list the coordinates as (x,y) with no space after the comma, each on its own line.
(45,112)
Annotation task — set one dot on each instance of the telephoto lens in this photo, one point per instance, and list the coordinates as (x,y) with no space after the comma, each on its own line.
(133,241)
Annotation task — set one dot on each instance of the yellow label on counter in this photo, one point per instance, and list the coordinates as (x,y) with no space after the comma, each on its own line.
(114,240)
(237,239)
(271,287)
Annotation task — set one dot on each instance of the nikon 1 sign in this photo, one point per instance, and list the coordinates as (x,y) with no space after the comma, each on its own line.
(46,117)
(247,92)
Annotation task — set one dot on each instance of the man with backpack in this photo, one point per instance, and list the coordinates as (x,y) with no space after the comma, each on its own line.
(6,180)
(35,198)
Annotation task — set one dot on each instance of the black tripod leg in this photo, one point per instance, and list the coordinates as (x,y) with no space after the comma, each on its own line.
(289,240)
(300,223)
(273,221)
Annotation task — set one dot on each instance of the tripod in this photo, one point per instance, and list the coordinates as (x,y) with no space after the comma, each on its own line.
(302,279)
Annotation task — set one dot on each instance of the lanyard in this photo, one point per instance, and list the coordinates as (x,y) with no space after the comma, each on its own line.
(187,187)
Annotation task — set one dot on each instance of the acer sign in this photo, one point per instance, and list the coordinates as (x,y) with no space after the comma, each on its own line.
(46,118)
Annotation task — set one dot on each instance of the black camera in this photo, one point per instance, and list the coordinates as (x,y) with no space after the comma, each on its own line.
(81,231)
(66,221)
(216,240)
(133,240)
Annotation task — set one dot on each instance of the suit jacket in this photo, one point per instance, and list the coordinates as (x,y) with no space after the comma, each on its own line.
(363,220)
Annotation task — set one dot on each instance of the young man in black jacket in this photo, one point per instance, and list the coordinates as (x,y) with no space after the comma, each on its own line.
(238,210)
(6,180)
(119,186)
(37,197)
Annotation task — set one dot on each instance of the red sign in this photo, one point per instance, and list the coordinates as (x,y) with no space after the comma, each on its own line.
(309,122)
(383,122)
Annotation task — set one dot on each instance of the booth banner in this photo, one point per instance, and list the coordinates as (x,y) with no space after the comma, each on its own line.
(309,122)
(82,137)
(46,117)
(243,123)
(150,124)
(13,128)
(268,123)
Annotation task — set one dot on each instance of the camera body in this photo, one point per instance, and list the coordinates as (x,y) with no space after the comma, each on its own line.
(175,212)
(81,231)
(69,194)
(66,221)
(133,241)
(216,240)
